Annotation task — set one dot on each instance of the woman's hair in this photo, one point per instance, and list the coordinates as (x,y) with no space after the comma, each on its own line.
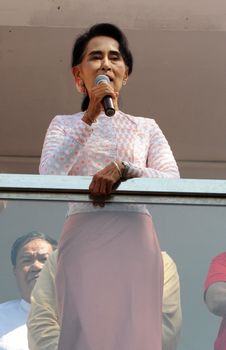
(101,29)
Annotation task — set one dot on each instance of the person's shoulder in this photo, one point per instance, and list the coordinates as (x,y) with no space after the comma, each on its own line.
(9,305)
(67,118)
(217,270)
(168,262)
(220,258)
(141,120)
(53,257)
(166,257)
(13,317)
(52,261)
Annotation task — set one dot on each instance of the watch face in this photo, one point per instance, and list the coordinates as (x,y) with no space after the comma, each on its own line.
(125,170)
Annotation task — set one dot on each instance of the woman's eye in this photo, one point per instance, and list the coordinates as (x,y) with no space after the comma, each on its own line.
(96,57)
(115,58)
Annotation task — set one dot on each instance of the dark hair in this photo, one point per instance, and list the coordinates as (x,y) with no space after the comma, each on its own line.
(105,29)
(22,240)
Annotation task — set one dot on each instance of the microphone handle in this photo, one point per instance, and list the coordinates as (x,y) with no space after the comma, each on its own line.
(109,108)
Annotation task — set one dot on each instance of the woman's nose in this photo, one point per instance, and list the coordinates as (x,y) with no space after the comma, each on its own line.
(105,64)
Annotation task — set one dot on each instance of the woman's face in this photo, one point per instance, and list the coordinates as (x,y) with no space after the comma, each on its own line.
(102,56)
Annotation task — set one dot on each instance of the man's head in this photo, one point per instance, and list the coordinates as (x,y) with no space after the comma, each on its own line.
(28,255)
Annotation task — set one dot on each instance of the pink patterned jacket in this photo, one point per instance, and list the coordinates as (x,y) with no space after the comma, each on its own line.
(72,147)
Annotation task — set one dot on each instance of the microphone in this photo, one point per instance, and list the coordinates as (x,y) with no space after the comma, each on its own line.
(107,102)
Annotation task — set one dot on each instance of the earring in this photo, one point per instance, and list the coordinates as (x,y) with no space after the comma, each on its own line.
(124,82)
(82,87)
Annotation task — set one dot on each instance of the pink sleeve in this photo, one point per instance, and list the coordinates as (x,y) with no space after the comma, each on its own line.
(161,162)
(217,271)
(62,144)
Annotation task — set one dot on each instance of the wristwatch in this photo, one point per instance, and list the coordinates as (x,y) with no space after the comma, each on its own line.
(125,170)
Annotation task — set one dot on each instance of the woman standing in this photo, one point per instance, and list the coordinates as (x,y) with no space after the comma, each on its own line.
(109,274)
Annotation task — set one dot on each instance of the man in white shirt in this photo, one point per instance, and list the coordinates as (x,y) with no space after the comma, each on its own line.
(28,255)
(43,325)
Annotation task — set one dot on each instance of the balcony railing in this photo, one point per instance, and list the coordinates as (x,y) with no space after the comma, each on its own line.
(188,214)
(137,190)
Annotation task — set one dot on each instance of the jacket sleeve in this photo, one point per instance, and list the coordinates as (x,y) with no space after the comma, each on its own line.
(61,146)
(171,306)
(215,286)
(160,161)
(43,325)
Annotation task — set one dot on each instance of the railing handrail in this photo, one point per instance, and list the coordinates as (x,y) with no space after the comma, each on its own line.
(137,190)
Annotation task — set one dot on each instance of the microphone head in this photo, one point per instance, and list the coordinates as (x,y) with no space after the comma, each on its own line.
(107,100)
(102,79)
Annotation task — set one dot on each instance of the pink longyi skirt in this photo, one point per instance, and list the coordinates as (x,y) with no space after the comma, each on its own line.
(109,283)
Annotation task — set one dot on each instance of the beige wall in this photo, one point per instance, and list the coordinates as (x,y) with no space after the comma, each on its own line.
(182,15)
(179,75)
